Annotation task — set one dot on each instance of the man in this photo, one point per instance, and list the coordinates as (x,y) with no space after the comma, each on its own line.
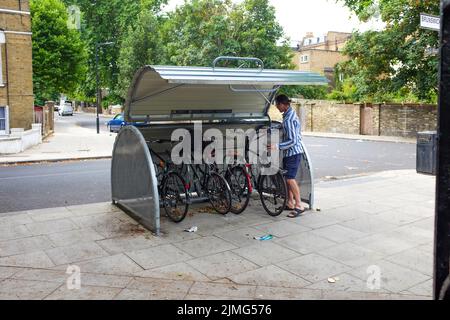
(292,148)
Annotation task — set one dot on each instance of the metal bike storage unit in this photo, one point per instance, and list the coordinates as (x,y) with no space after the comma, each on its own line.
(168,98)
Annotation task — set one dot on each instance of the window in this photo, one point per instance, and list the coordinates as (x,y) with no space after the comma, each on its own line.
(4,125)
(2,42)
(304,58)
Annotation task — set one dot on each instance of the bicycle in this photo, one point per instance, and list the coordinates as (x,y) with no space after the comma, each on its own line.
(272,189)
(239,182)
(207,182)
(172,188)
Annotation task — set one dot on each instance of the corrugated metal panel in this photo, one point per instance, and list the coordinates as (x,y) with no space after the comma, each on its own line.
(163,92)
(202,75)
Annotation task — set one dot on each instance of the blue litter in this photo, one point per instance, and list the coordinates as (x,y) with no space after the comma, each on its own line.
(266,237)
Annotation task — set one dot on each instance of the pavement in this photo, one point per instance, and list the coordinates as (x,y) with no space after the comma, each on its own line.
(360,137)
(369,238)
(68,142)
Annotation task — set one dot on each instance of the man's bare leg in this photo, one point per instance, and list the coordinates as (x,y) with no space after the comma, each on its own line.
(294,188)
(290,201)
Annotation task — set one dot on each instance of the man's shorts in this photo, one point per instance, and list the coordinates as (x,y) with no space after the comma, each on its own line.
(291,165)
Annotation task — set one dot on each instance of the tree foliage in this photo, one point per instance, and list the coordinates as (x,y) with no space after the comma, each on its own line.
(392,64)
(141,45)
(201,30)
(108,21)
(59,55)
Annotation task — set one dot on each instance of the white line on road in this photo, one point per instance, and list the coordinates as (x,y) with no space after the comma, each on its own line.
(53,174)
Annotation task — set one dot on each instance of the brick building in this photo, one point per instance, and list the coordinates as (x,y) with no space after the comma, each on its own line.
(321,53)
(16,76)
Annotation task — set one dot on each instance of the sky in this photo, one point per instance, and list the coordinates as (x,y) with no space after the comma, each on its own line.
(319,16)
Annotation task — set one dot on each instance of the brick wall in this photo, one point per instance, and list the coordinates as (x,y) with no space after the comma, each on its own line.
(385,120)
(326,116)
(18,93)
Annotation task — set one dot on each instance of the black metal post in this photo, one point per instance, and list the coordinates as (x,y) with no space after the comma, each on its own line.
(441,286)
(97,87)
(97,46)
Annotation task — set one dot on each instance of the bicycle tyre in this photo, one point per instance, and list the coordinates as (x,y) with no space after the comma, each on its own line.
(175,196)
(219,193)
(240,186)
(273,193)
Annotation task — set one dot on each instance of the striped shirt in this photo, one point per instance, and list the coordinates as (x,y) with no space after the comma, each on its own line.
(292,134)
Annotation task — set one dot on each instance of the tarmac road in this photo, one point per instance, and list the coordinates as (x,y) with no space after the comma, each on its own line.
(27,187)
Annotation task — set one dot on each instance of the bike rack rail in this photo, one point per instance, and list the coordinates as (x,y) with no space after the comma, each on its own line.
(170,98)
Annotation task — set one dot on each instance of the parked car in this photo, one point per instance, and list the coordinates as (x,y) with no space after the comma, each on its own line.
(66,109)
(118,122)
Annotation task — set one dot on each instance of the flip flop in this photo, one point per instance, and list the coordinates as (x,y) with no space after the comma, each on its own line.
(296,213)
(289,209)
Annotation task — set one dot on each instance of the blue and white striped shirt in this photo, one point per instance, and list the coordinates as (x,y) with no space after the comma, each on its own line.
(292,134)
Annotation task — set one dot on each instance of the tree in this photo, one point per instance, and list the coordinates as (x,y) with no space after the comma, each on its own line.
(201,30)
(59,56)
(108,21)
(141,46)
(394,62)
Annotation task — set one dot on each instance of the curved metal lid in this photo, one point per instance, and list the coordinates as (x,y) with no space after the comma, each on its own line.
(175,93)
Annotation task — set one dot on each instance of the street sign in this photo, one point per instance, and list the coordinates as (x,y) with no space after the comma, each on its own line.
(428,21)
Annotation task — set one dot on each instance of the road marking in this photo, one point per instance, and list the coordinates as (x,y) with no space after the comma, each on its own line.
(53,174)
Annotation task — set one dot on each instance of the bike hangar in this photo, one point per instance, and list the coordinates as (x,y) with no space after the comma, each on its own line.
(168,98)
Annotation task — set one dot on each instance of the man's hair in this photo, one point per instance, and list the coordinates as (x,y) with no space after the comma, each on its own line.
(283,99)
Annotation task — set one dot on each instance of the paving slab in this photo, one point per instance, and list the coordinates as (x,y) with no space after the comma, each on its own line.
(118,264)
(28,290)
(305,242)
(277,293)
(177,271)
(52,226)
(421,261)
(37,259)
(345,283)
(313,267)
(158,256)
(163,285)
(369,224)
(221,265)
(84,293)
(67,238)
(129,243)
(282,228)
(222,289)
(339,233)
(270,276)
(6,272)
(24,245)
(133,294)
(351,255)
(265,253)
(76,253)
(241,237)
(205,246)
(422,289)
(394,278)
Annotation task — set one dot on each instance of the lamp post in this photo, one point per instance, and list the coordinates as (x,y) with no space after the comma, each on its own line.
(97,46)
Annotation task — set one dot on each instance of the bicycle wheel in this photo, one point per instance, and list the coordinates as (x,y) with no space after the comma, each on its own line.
(218,192)
(240,186)
(273,193)
(175,196)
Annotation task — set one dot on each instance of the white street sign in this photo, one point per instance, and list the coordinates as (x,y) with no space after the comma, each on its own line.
(428,21)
